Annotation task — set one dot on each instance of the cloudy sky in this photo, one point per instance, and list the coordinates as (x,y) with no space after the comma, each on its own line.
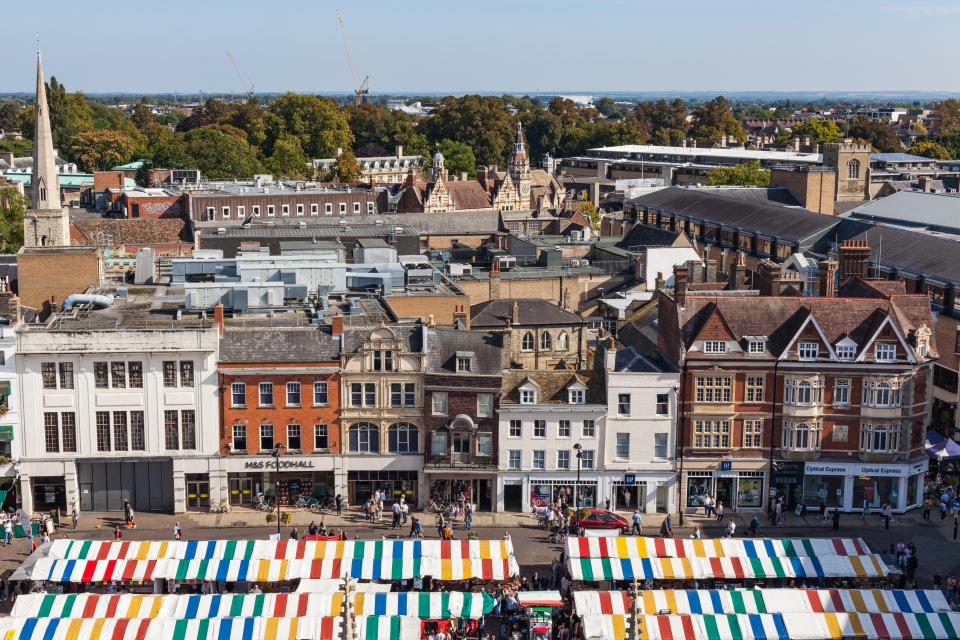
(488,45)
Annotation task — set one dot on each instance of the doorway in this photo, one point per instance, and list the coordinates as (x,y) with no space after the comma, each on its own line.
(513,498)
(725,492)
(241,491)
(662,502)
(86,496)
(198,494)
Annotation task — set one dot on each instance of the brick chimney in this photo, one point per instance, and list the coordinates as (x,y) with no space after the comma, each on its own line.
(854,259)
(515,313)
(336,325)
(711,270)
(925,184)
(680,276)
(218,316)
(828,278)
(768,275)
(658,281)
(461,317)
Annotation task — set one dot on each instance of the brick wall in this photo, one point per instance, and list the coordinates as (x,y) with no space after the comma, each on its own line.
(198,204)
(48,273)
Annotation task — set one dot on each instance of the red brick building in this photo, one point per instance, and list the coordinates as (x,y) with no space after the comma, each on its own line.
(818,399)
(279,385)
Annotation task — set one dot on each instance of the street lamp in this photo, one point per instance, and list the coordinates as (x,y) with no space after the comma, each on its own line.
(277,448)
(576,490)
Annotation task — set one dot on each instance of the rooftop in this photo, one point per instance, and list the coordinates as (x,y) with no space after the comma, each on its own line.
(446,345)
(899,157)
(739,154)
(232,189)
(278,344)
(915,208)
(497,314)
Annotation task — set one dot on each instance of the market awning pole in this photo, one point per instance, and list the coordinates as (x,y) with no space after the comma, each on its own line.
(348,618)
(635,612)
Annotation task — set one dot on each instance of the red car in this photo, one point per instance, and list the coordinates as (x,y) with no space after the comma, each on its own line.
(597,518)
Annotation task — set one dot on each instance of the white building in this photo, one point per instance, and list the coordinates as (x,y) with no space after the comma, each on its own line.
(10,438)
(639,466)
(119,402)
(543,415)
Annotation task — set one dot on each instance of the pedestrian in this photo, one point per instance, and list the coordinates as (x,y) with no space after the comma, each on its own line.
(865,510)
(637,529)
(927,507)
(7,531)
(441,523)
(117,534)
(404,511)
(836,519)
(823,511)
(707,505)
(294,534)
(665,531)
(912,564)
(943,509)
(887,515)
(395,509)
(607,504)
(416,529)
(506,536)
(731,528)
(177,531)
(468,517)
(312,529)
(44,537)
(339,502)
(76,517)
(719,511)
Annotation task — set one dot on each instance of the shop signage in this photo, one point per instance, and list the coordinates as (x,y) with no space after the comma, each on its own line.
(726,465)
(284,464)
(866,469)
(629,478)
(6,433)
(4,387)
(825,468)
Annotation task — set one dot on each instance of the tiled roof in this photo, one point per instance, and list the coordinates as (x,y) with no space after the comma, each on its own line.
(552,385)
(412,337)
(137,231)
(646,236)
(475,222)
(444,344)
(278,344)
(494,314)
(468,195)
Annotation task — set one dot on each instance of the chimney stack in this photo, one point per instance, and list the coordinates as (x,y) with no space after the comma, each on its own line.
(854,259)
(768,274)
(828,278)
(218,316)
(399,150)
(658,282)
(336,325)
(680,275)
(711,270)
(515,313)
(925,184)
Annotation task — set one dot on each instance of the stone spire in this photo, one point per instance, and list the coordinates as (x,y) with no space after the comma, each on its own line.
(46,184)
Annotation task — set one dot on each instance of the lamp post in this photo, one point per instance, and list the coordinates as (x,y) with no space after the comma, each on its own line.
(576,490)
(277,447)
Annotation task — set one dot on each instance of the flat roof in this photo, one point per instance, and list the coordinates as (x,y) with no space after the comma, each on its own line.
(913,207)
(735,153)
(233,189)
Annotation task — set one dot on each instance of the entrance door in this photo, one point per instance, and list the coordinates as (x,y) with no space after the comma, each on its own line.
(241,491)
(484,499)
(513,498)
(662,506)
(198,495)
(461,447)
(86,497)
(725,492)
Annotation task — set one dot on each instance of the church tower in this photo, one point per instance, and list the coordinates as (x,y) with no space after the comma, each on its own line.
(47,221)
(519,168)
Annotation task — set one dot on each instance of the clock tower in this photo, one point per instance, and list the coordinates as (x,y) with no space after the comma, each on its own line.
(519,168)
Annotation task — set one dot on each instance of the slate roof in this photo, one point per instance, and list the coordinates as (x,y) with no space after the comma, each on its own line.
(553,385)
(444,344)
(475,222)
(140,231)
(771,195)
(411,335)
(278,345)
(643,235)
(494,314)
(710,205)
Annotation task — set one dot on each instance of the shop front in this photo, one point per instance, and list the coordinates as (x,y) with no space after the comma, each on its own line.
(362,485)
(851,485)
(649,494)
(300,477)
(526,492)
(786,480)
(147,483)
(736,489)
(449,489)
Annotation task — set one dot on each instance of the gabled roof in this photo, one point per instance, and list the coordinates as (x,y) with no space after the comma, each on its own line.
(552,385)
(494,314)
(278,345)
(445,344)
(136,231)
(411,337)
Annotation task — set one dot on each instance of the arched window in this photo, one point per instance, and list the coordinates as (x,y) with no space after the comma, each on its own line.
(803,392)
(527,344)
(882,395)
(364,438)
(563,341)
(880,438)
(546,342)
(853,169)
(801,437)
(403,437)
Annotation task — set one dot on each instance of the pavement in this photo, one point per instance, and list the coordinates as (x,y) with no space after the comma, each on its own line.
(937,550)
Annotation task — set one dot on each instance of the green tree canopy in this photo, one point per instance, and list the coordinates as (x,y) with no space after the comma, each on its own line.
(951,142)
(167,150)
(219,155)
(715,118)
(747,174)
(458,157)
(347,169)
(100,150)
(12,206)
(288,159)
(70,114)
(929,149)
(318,123)
(946,116)
(819,131)
(880,136)
(9,116)
(665,122)
(481,122)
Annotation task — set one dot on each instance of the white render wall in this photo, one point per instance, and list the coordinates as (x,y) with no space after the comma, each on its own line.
(8,373)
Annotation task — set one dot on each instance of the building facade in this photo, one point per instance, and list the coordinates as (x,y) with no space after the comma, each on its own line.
(537,334)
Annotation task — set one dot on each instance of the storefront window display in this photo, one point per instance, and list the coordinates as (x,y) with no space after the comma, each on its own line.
(875,491)
(362,484)
(749,492)
(697,490)
(550,492)
(913,488)
(826,489)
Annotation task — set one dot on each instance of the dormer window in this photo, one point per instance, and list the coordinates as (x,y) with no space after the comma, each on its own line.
(846,350)
(756,346)
(808,350)
(528,396)
(577,396)
(886,352)
(714,346)
(464,361)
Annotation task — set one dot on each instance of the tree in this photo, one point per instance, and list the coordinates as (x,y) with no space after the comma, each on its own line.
(9,116)
(318,123)
(374,124)
(589,211)
(288,159)
(481,122)
(951,142)
(665,122)
(929,149)
(714,119)
(142,116)
(819,131)
(347,169)
(166,149)
(608,107)
(877,134)
(17,147)
(69,114)
(747,174)
(946,116)
(220,156)
(100,150)
(12,206)
(458,158)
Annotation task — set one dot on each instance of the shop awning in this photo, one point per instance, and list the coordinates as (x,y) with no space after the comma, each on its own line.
(53,570)
(640,547)
(539,599)
(606,602)
(939,446)
(91,605)
(604,627)
(427,605)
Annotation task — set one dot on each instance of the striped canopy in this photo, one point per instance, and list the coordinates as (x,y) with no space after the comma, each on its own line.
(602,602)
(689,627)
(427,605)
(640,547)
(856,600)
(54,570)
(873,626)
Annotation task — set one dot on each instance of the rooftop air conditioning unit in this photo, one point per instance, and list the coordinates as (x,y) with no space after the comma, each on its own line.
(575,263)
(584,263)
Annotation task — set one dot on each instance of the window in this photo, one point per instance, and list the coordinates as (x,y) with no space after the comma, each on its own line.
(484,405)
(660,445)
(266,394)
(846,352)
(438,403)
(51,432)
(563,459)
(886,352)
(752,433)
(241,212)
(754,389)
(403,437)
(755,347)
(801,436)
(802,392)
(563,429)
(266,437)
(364,438)
(853,169)
(663,404)
(711,434)
(383,360)
(321,437)
(293,437)
(516,429)
(623,404)
(882,394)
(578,396)
(293,394)
(528,396)
(170,370)
(343,207)
(101,381)
(589,428)
(256,210)
(284,210)
(226,212)
(713,389)
(880,438)
(527,342)
(328,209)
(464,364)
(171,430)
(300,210)
(513,459)
(238,394)
(370,205)
(546,342)
(211,213)
(485,444)
(587,459)
(623,445)
(135,374)
(271,210)
(120,440)
(714,346)
(321,395)
(539,459)
(403,394)
(841,391)
(841,433)
(188,427)
(808,350)
(239,437)
(539,428)
(356,207)
(369,394)
(314,209)
(103,430)
(186,373)
(48,372)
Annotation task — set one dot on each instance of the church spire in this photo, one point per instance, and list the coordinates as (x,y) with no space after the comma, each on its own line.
(46,185)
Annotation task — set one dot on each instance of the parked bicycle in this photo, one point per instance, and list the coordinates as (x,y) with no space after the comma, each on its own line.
(305,502)
(223,507)
(263,503)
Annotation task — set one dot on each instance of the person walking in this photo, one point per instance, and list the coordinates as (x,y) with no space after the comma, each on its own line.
(416,529)
(117,534)
(865,510)
(338,501)
(76,517)
(7,531)
(836,519)
(395,509)
(927,508)
(719,511)
(468,517)
(887,515)
(707,505)
(731,528)
(404,511)
(294,534)
(177,531)
(637,528)
(665,530)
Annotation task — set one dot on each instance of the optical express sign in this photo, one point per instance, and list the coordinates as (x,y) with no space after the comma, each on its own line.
(855,469)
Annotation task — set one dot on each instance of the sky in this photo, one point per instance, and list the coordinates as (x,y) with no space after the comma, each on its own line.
(457,46)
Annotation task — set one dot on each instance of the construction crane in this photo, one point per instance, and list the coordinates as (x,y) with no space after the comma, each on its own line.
(361,90)
(247,85)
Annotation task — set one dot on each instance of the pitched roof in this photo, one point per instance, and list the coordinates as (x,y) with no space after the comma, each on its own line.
(445,344)
(643,235)
(410,335)
(278,345)
(552,385)
(476,222)
(468,195)
(137,231)
(494,314)
(917,208)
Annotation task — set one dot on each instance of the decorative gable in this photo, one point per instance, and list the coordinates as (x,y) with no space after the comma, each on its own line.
(808,334)
(890,340)
(715,327)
